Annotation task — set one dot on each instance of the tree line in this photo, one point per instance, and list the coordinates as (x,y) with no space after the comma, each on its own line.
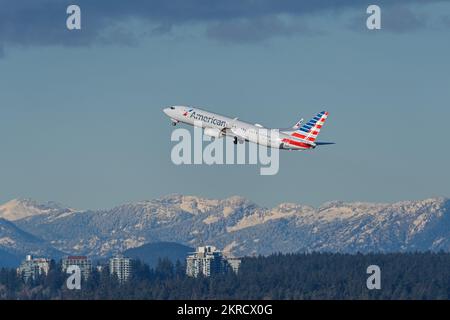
(279,276)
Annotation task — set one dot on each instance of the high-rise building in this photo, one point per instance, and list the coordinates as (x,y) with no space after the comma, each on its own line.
(83,262)
(207,261)
(121,267)
(33,267)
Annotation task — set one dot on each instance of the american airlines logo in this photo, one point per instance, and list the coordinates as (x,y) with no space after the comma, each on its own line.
(207,119)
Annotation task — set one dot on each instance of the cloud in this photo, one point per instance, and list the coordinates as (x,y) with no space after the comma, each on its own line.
(42,22)
(395,19)
(403,19)
(256,30)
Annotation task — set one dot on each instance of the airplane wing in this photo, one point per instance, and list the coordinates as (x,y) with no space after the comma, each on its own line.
(229,132)
(232,132)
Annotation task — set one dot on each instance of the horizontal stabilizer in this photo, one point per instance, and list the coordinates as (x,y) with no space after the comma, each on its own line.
(323,143)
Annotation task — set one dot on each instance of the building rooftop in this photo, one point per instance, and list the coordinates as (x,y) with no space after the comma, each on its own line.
(77,257)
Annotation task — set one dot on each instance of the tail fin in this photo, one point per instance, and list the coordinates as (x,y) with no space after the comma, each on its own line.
(310,130)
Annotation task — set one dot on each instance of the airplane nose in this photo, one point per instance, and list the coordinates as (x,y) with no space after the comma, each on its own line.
(169,110)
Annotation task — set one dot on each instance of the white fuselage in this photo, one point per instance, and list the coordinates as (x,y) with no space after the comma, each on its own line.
(217,125)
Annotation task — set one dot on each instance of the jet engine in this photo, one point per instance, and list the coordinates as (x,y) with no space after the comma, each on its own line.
(212,132)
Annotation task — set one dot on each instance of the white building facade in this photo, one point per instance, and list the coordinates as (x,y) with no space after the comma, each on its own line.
(121,267)
(207,261)
(83,262)
(33,267)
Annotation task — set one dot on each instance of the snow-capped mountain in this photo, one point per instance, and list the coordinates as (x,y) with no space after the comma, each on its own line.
(244,228)
(23,208)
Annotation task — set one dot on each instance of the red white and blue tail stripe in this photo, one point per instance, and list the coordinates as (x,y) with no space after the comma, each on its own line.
(305,136)
(310,130)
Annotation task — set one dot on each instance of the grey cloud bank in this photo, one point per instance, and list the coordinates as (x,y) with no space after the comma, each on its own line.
(42,22)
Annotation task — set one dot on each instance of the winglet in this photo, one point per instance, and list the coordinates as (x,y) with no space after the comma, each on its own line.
(298,124)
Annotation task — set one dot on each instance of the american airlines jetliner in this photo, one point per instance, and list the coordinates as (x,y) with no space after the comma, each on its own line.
(299,137)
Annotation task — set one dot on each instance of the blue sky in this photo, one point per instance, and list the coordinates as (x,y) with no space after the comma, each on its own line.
(81,119)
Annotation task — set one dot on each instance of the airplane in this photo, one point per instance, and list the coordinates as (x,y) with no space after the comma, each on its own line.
(301,136)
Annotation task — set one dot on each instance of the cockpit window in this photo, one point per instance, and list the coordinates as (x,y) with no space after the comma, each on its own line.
(173,108)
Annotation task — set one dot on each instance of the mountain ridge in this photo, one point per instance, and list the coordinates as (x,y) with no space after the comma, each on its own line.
(17,209)
(242,227)
(17,242)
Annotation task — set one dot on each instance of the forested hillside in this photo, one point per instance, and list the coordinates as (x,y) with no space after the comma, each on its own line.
(291,276)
